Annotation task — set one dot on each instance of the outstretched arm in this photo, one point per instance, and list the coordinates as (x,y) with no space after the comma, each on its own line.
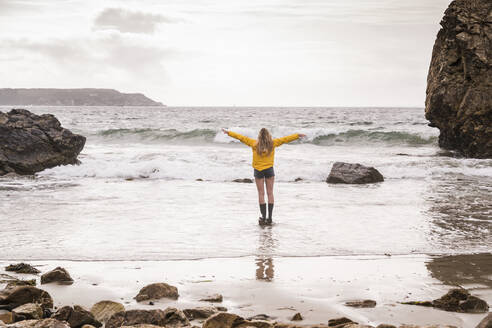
(245,140)
(280,141)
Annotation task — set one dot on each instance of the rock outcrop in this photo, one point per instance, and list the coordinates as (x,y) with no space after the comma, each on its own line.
(353,174)
(30,143)
(29,311)
(44,323)
(58,275)
(459,83)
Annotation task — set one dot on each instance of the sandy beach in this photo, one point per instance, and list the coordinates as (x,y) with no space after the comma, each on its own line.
(317,287)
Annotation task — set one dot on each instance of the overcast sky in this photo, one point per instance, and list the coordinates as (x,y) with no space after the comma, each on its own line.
(225,52)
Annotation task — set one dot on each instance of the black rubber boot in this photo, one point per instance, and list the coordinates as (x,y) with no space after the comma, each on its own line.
(270,213)
(263,211)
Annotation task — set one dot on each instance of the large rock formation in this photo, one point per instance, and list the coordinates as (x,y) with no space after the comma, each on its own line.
(73,97)
(30,143)
(352,173)
(459,84)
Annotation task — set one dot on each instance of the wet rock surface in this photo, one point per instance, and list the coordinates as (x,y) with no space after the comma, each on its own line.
(456,300)
(58,275)
(170,317)
(30,143)
(353,174)
(76,316)
(29,311)
(157,291)
(202,312)
(44,323)
(361,304)
(14,297)
(215,298)
(459,83)
(244,180)
(103,310)
(486,322)
(22,268)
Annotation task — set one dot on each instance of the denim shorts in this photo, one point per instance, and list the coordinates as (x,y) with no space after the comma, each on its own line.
(266,173)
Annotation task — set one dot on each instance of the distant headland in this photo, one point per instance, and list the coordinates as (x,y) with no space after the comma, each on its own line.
(73,97)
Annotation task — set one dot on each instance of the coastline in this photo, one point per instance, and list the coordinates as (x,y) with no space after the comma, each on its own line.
(317,287)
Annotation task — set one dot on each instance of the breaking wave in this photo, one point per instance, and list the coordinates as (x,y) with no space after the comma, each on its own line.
(364,136)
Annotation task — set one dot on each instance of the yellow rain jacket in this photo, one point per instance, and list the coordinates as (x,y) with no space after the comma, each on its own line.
(262,162)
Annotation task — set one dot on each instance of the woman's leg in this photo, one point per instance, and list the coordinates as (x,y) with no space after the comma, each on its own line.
(260,186)
(269,187)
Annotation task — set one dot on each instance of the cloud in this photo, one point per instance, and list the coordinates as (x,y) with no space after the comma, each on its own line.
(106,54)
(129,21)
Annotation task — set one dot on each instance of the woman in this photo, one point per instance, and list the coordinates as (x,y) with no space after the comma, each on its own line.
(263,157)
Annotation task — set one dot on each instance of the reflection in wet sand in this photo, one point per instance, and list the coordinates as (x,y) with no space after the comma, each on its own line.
(264,261)
(463,270)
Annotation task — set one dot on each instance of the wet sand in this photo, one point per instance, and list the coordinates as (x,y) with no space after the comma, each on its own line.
(317,287)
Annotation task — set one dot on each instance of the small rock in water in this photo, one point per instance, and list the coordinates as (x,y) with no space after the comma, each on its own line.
(245,180)
(261,317)
(58,275)
(297,317)
(384,325)
(353,174)
(216,298)
(199,179)
(221,308)
(202,312)
(22,268)
(151,303)
(456,300)
(157,291)
(298,179)
(361,304)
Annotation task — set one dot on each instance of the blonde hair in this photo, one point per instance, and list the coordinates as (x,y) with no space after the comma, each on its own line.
(264,146)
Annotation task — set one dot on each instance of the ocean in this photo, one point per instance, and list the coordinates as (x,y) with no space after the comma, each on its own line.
(135,195)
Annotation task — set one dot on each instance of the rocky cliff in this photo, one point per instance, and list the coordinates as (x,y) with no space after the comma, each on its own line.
(73,97)
(459,84)
(30,143)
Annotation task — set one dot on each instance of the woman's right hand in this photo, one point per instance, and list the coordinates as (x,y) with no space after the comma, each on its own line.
(301,135)
(225,131)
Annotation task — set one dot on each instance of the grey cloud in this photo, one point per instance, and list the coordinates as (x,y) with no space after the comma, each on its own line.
(129,21)
(96,56)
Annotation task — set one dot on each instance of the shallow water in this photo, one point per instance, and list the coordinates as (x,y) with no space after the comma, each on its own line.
(135,196)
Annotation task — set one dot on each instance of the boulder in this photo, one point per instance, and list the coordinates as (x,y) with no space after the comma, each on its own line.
(170,317)
(202,312)
(30,143)
(103,310)
(29,311)
(459,82)
(486,322)
(223,320)
(339,322)
(76,316)
(58,275)
(15,297)
(157,291)
(44,323)
(215,298)
(361,304)
(456,300)
(353,174)
(297,317)
(22,268)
